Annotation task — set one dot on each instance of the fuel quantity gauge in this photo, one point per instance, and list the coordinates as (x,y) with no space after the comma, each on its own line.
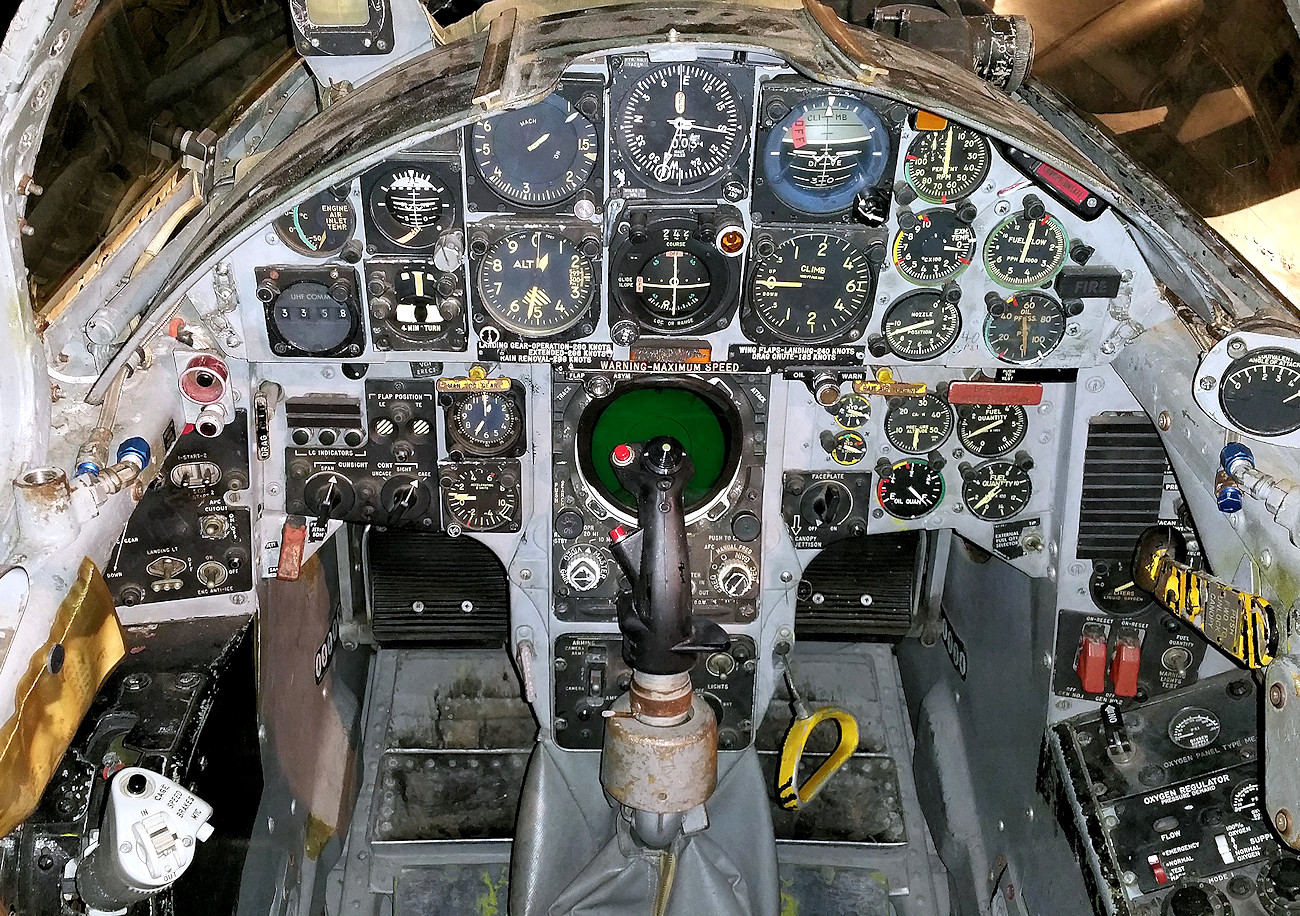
(990,430)
(996,490)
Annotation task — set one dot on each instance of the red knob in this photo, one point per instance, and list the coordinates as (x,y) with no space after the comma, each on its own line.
(623,456)
(620,532)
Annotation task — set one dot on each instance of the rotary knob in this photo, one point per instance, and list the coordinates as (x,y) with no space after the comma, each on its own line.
(735,575)
(582,568)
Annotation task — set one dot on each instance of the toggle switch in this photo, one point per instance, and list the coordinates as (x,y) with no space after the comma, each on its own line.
(1124,664)
(1091,665)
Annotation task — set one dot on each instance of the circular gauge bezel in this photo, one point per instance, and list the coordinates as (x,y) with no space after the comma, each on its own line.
(1107,577)
(973,421)
(453,478)
(849,449)
(979,490)
(934,192)
(929,416)
(1272,420)
(402,235)
(721,100)
(1022,300)
(929,502)
(471,440)
(629,260)
(289,229)
(495,308)
(1179,720)
(347,318)
(922,305)
(784,140)
(504,170)
(1044,270)
(845,420)
(764,300)
(937,226)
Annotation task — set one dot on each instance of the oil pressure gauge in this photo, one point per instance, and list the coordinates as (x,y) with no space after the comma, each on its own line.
(1024,328)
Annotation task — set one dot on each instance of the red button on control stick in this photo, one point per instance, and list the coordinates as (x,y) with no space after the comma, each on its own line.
(623,456)
(618,534)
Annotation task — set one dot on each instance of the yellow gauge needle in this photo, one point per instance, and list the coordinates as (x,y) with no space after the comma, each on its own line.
(988,499)
(983,429)
(947,153)
(538,142)
(1024,335)
(543,261)
(1029,237)
(1125,587)
(913,327)
(773,282)
(916,437)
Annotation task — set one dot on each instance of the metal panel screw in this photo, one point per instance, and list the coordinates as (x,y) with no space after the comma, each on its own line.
(1277,696)
(1164,421)
(1282,821)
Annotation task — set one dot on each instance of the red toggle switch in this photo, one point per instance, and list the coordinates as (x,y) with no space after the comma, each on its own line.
(293,542)
(623,455)
(1158,869)
(618,534)
(1124,665)
(1091,666)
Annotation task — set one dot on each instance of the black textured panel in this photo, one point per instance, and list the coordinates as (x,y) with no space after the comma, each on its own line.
(1123,480)
(860,588)
(418,586)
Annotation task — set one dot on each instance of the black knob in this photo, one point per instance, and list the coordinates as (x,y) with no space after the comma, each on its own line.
(1034,208)
(967,212)
(877,345)
(1190,901)
(340,291)
(136,784)
(951,292)
(745,527)
(1283,878)
(267,290)
(664,454)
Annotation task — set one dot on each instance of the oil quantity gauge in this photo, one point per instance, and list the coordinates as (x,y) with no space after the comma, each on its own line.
(535,283)
(320,226)
(1024,328)
(990,430)
(536,156)
(1022,252)
(910,489)
(996,490)
(947,164)
(824,152)
(936,247)
(813,289)
(921,325)
(918,426)
(1260,392)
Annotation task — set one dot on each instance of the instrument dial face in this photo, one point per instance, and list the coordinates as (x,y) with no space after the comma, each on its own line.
(410,206)
(990,430)
(1025,328)
(852,411)
(921,325)
(937,248)
(416,314)
(480,497)
(489,422)
(535,283)
(824,152)
(1193,728)
(1021,252)
(850,448)
(911,489)
(536,156)
(680,126)
(1113,590)
(1260,392)
(674,285)
(309,320)
(813,289)
(918,426)
(320,226)
(996,490)
(946,165)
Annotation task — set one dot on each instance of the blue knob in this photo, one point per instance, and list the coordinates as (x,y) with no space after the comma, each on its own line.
(87,467)
(137,447)
(1233,454)
(1228,498)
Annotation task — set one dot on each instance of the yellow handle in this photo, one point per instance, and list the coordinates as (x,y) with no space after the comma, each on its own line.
(796,740)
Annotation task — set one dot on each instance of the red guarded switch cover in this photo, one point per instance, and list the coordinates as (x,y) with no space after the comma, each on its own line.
(1124,666)
(1091,666)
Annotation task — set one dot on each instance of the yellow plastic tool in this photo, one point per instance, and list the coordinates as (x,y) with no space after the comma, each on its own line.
(794,796)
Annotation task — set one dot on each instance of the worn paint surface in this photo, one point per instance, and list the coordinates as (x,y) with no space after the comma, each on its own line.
(490,903)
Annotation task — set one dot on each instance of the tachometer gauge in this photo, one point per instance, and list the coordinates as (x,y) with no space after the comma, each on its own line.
(536,156)
(1024,328)
(409,205)
(910,489)
(990,430)
(1113,590)
(1260,392)
(680,127)
(918,426)
(921,325)
(1022,252)
(481,496)
(946,165)
(852,411)
(937,247)
(996,490)
(824,152)
(488,422)
(535,283)
(813,289)
(319,226)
